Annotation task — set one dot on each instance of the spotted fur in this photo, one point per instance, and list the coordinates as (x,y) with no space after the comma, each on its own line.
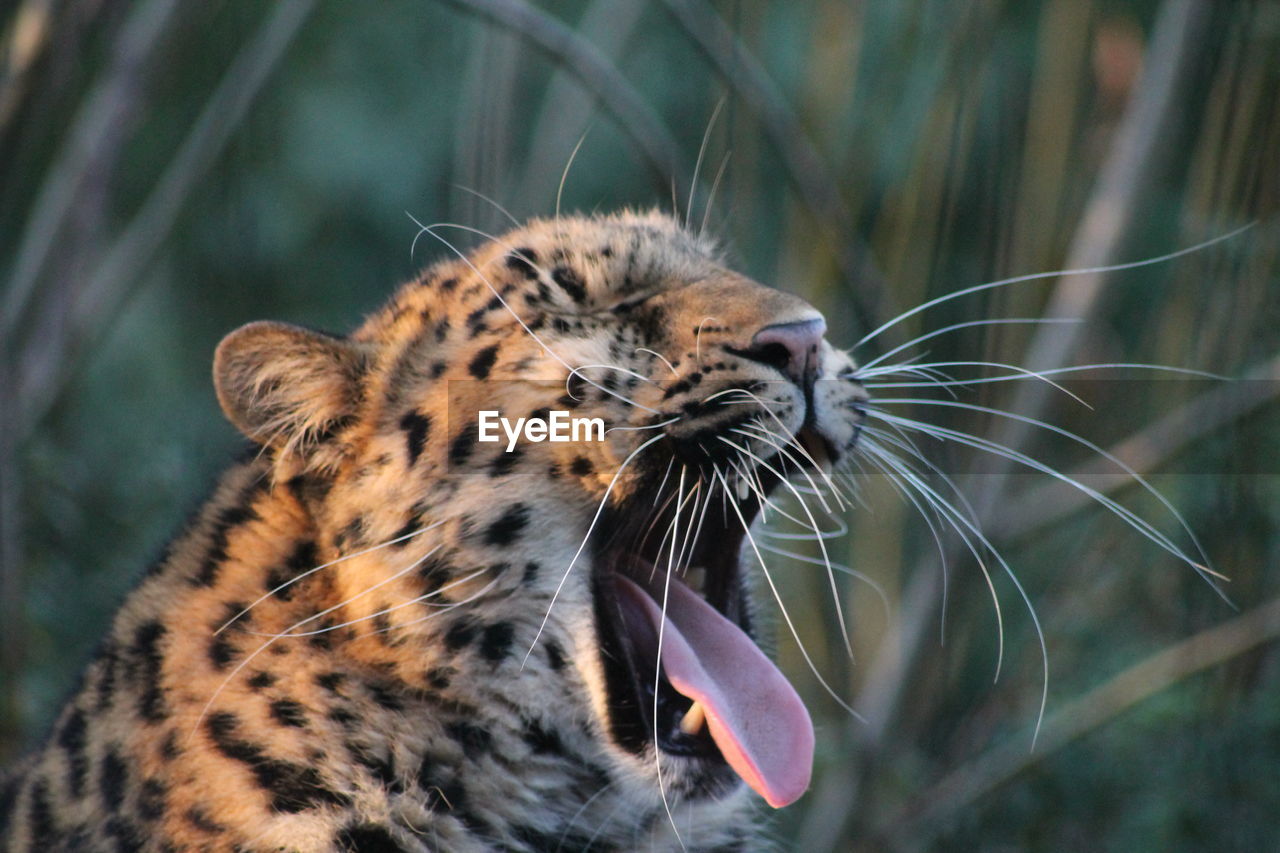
(419,701)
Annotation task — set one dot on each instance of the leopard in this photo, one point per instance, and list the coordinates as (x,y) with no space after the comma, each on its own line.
(382,633)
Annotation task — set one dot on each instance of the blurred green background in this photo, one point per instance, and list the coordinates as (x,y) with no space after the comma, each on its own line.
(170,169)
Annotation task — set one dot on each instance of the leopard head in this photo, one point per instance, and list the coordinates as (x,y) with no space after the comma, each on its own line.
(597,586)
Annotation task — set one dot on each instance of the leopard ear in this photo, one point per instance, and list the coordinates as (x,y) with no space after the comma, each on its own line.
(287,387)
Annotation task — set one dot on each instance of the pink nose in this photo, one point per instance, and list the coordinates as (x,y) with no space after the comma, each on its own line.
(790,347)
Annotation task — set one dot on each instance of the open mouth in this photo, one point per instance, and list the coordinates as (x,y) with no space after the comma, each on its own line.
(682,669)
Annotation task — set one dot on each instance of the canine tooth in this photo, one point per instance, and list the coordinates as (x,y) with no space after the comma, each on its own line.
(744,491)
(696,578)
(694,719)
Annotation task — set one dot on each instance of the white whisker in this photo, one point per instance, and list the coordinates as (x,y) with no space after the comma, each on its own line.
(594,519)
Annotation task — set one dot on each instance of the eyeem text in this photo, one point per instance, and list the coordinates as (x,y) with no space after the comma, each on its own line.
(557,426)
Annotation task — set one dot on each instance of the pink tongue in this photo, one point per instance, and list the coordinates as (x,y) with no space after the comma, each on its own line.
(755,717)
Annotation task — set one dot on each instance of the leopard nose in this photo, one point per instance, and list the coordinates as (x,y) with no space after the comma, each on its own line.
(790,347)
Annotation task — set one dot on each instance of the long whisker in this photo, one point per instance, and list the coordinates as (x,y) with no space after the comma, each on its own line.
(702,150)
(958,522)
(564,176)
(929,514)
(443,608)
(786,616)
(658,425)
(760,432)
(792,441)
(839,567)
(421,599)
(1202,568)
(291,632)
(660,356)
(312,571)
(1020,373)
(956,327)
(264,646)
(813,524)
(657,675)
(697,341)
(711,197)
(1057,371)
(594,519)
(516,222)
(956,294)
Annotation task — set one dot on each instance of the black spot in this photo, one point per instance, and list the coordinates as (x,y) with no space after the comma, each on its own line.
(261,680)
(72,739)
(460,634)
(227,520)
(460,448)
(542,740)
(147,660)
(366,837)
(125,834)
(289,713)
(438,677)
(343,717)
(44,834)
(385,695)
(570,282)
(169,749)
(483,362)
(402,536)
(449,284)
(331,680)
(437,369)
(279,581)
(321,636)
(581,467)
(352,533)
(442,793)
(505,461)
(475,321)
(108,660)
(555,654)
(310,488)
(112,781)
(151,796)
(507,528)
(202,821)
(221,651)
(416,427)
(530,572)
(293,788)
(473,739)
(435,571)
(524,261)
(496,641)
(675,388)
(383,769)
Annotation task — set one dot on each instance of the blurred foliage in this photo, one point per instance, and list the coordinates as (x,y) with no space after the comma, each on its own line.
(874,155)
